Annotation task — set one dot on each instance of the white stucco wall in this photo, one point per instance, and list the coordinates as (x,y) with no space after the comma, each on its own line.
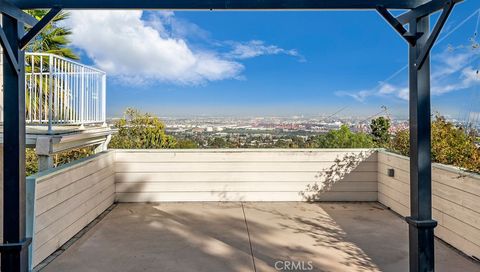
(245,175)
(455,200)
(67,199)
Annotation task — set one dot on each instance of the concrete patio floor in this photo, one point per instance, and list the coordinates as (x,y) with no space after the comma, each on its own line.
(214,237)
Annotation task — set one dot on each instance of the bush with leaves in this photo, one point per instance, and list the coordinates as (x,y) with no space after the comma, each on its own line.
(400,142)
(380,127)
(186,144)
(343,138)
(218,142)
(31,162)
(450,145)
(140,131)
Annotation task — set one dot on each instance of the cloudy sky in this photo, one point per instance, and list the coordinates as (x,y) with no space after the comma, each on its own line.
(271,63)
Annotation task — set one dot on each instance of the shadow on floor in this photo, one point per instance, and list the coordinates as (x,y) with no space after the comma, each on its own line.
(214,237)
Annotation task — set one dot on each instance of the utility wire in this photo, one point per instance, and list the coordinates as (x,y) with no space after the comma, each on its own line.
(470,118)
(478,22)
(384,109)
(337,112)
(458,26)
(444,37)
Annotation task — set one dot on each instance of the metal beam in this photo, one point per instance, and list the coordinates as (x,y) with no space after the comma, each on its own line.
(14,252)
(37,28)
(392,20)
(434,35)
(409,37)
(15,12)
(12,58)
(218,4)
(424,10)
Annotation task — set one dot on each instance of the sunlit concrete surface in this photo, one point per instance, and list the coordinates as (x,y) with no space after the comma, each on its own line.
(281,236)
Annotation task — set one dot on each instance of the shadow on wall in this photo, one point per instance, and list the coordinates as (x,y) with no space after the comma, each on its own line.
(347,175)
(327,178)
(225,195)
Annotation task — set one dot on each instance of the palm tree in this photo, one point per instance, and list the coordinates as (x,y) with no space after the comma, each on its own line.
(54,37)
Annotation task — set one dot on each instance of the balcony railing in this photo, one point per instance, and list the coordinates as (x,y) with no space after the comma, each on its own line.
(59,91)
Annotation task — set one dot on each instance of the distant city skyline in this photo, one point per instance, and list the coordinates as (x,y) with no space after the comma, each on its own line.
(284,111)
(272,63)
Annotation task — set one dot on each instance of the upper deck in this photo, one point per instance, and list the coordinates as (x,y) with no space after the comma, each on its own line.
(65,102)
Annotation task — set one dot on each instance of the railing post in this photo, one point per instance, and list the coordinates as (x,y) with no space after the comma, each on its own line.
(50,94)
(82,97)
(104,99)
(30,87)
(40,105)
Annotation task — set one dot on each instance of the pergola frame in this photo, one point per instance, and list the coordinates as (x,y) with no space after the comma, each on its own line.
(420,39)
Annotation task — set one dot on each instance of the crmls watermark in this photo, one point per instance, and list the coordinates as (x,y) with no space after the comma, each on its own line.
(284,265)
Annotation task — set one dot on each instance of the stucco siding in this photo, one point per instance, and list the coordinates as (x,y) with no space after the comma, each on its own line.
(67,199)
(455,199)
(245,175)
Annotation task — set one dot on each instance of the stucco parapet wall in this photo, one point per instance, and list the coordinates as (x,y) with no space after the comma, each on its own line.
(454,169)
(67,167)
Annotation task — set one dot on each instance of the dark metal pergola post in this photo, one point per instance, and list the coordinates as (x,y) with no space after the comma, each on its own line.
(420,222)
(419,37)
(15,247)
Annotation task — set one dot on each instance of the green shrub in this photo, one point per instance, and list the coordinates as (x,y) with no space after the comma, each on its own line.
(31,162)
(186,144)
(450,145)
(140,131)
(31,158)
(380,127)
(343,138)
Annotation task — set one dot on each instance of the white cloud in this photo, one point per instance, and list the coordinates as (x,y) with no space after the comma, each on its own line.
(360,96)
(403,93)
(468,78)
(452,71)
(140,50)
(387,89)
(138,47)
(382,89)
(257,48)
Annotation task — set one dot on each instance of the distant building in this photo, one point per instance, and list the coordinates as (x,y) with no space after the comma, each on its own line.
(197,130)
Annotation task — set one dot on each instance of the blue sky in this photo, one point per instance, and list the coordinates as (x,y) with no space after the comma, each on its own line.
(270,63)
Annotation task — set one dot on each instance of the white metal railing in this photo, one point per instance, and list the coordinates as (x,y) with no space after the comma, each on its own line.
(59,91)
